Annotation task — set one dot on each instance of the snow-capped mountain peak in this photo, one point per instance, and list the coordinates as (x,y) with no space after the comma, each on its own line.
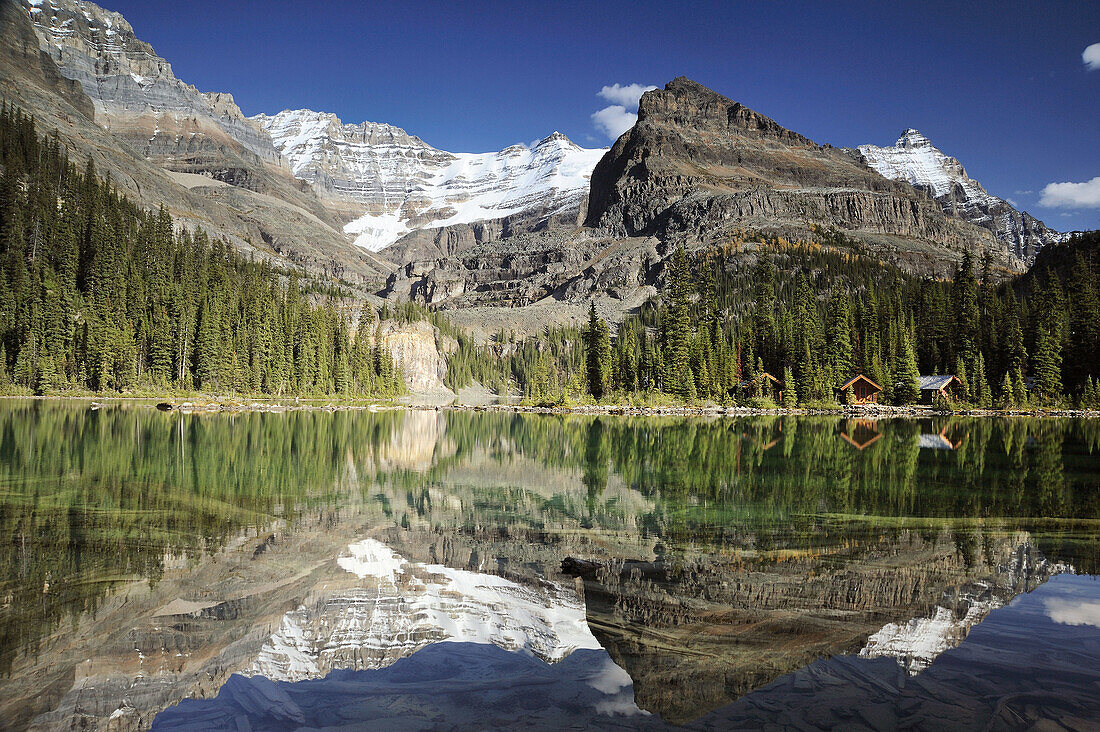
(388,183)
(915,160)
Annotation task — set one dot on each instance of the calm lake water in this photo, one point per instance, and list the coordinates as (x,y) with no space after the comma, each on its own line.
(404,570)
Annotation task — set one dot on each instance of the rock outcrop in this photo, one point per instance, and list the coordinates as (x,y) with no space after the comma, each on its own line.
(420,351)
(915,160)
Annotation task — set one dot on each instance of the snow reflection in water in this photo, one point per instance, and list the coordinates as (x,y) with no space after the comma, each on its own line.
(400,606)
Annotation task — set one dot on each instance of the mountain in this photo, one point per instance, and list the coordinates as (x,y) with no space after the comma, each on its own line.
(80,70)
(390,183)
(699,166)
(696,170)
(915,160)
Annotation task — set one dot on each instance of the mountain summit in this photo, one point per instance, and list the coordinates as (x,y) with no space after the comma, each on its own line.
(702,166)
(915,160)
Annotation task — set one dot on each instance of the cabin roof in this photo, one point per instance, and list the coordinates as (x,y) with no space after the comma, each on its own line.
(856,378)
(936,382)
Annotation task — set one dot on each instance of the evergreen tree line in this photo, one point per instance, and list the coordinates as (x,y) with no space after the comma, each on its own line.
(99,294)
(814,315)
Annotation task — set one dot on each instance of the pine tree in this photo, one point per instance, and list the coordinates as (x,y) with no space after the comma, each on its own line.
(981,394)
(907,383)
(1020,396)
(964,381)
(1048,364)
(964,296)
(678,329)
(1007,396)
(790,392)
(597,354)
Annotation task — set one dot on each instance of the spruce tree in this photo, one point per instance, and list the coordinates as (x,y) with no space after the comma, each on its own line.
(1048,364)
(907,383)
(790,392)
(597,354)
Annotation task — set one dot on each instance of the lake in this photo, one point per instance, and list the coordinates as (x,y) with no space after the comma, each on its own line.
(424,569)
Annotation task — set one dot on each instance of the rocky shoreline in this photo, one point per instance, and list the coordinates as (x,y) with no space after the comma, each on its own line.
(864,411)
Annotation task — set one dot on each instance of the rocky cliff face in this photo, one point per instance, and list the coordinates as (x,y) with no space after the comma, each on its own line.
(698,166)
(138,98)
(915,160)
(421,353)
(390,183)
(99,109)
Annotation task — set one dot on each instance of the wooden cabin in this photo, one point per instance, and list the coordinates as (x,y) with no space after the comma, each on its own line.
(943,385)
(765,385)
(858,390)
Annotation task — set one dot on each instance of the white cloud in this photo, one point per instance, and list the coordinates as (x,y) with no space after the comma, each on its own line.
(1091,57)
(627,95)
(1013,203)
(1074,612)
(1024,193)
(618,117)
(614,120)
(1072,195)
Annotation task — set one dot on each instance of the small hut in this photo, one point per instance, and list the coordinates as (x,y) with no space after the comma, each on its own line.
(943,385)
(858,390)
(765,385)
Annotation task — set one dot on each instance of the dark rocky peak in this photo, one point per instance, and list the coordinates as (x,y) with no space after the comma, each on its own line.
(687,103)
(699,167)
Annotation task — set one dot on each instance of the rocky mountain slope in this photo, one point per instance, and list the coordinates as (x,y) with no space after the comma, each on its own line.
(389,183)
(915,160)
(550,223)
(699,166)
(80,71)
(697,169)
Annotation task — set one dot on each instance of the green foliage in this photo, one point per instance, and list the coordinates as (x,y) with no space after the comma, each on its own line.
(820,313)
(790,393)
(98,294)
(597,348)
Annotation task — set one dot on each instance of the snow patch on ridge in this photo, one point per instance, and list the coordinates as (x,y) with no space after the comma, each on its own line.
(405,184)
(914,159)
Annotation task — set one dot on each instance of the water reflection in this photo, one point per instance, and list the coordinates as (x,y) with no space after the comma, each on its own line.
(150,556)
(861,433)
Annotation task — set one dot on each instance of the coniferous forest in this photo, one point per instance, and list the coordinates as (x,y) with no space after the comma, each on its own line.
(100,295)
(97,294)
(814,314)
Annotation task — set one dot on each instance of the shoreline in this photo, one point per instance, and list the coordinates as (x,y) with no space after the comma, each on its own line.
(233,405)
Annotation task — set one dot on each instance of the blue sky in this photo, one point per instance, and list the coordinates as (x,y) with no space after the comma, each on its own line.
(1001,86)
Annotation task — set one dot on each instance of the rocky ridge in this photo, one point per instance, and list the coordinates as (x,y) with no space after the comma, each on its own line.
(80,71)
(915,160)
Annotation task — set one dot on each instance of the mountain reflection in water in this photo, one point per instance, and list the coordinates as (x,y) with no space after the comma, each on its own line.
(734,570)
